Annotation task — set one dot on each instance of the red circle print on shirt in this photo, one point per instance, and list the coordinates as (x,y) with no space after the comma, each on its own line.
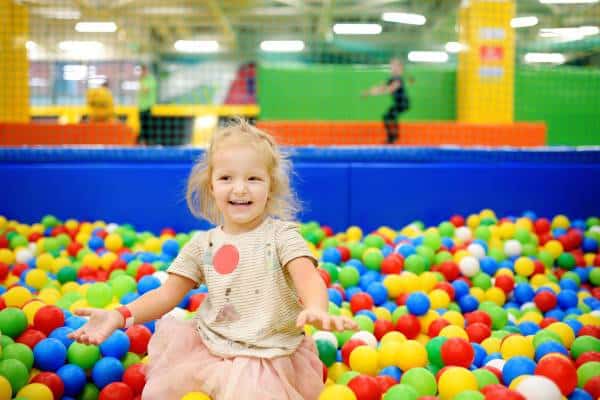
(226,259)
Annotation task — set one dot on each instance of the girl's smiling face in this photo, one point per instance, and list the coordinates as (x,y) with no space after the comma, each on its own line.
(240,184)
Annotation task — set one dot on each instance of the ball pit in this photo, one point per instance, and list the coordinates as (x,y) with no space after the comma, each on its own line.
(477,307)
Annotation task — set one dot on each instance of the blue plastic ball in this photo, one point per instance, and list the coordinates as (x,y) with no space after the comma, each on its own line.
(418,303)
(523,293)
(332,255)
(378,292)
(49,354)
(392,371)
(335,296)
(107,370)
(61,334)
(148,283)
(567,299)
(170,247)
(73,378)
(517,366)
(117,345)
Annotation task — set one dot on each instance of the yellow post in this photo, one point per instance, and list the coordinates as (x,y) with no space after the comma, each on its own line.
(485,77)
(14,66)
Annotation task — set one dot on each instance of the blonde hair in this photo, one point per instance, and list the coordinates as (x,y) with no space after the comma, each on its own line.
(282,202)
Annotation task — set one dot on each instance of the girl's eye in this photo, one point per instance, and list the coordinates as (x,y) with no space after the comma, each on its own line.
(224,178)
(254,178)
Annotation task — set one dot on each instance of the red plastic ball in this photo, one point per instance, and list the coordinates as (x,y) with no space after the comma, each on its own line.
(436,326)
(592,386)
(505,282)
(542,225)
(30,337)
(4,270)
(392,264)
(408,325)
(589,330)
(116,391)
(361,301)
(348,347)
(118,264)
(450,270)
(545,322)
(365,387)
(134,378)
(545,300)
(168,231)
(196,301)
(478,332)
(139,336)
(478,316)
(4,242)
(560,371)
(499,392)
(143,270)
(538,267)
(325,372)
(457,220)
(344,252)
(52,381)
(385,382)
(325,276)
(587,357)
(18,269)
(2,303)
(48,318)
(446,287)
(381,327)
(457,352)
(494,371)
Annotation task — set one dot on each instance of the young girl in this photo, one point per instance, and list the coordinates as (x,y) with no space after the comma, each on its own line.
(246,340)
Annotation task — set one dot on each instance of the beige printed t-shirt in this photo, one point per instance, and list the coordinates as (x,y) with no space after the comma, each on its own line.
(252,305)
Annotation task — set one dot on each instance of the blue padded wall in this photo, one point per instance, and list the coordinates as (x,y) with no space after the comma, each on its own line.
(339,187)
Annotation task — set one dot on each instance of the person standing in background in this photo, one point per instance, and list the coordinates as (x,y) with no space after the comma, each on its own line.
(395,86)
(146,99)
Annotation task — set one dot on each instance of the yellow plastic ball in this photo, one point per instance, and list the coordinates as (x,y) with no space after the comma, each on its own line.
(478,293)
(59,263)
(49,295)
(91,260)
(589,259)
(382,313)
(70,287)
(195,396)
(524,266)
(491,345)
(337,392)
(392,336)
(387,232)
(35,391)
(107,259)
(473,221)
(5,388)
(496,295)
(17,296)
(354,233)
(455,380)
(408,282)
(531,316)
(505,271)
(44,261)
(36,278)
(83,238)
(524,223)
(516,345)
(427,319)
(560,221)
(389,353)
(364,359)
(589,319)
(538,280)
(152,244)
(439,299)
(507,230)
(554,247)
(453,331)
(3,221)
(336,370)
(487,213)
(81,303)
(31,308)
(460,254)
(413,355)
(427,280)
(455,318)
(7,256)
(71,224)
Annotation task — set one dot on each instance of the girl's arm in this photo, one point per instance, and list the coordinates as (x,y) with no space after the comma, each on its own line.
(313,295)
(155,303)
(152,305)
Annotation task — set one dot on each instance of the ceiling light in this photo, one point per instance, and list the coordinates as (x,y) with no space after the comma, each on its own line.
(523,22)
(404,18)
(428,56)
(357,29)
(568,1)
(282,46)
(454,47)
(554,58)
(96,27)
(197,46)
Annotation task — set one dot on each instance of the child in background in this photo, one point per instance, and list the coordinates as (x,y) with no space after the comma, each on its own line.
(246,340)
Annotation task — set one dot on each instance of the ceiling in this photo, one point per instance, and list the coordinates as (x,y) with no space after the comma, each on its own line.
(150,27)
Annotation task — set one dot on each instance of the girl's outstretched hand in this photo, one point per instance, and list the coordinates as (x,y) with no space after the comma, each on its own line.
(101,325)
(323,320)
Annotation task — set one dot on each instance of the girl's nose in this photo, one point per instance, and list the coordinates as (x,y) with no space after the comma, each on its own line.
(239,186)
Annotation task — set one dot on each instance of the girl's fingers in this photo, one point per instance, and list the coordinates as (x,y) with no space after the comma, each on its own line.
(326,322)
(84,312)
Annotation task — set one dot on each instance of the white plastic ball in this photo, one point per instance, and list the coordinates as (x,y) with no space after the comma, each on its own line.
(110,228)
(366,337)
(23,256)
(537,387)
(178,313)
(476,250)
(161,275)
(469,266)
(497,363)
(463,233)
(325,335)
(512,248)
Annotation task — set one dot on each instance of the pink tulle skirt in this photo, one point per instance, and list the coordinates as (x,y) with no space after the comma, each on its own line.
(180,363)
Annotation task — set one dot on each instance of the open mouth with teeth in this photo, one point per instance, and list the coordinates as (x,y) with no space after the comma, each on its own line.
(240,202)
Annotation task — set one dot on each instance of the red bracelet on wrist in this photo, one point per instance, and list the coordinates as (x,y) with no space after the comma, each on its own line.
(127,316)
